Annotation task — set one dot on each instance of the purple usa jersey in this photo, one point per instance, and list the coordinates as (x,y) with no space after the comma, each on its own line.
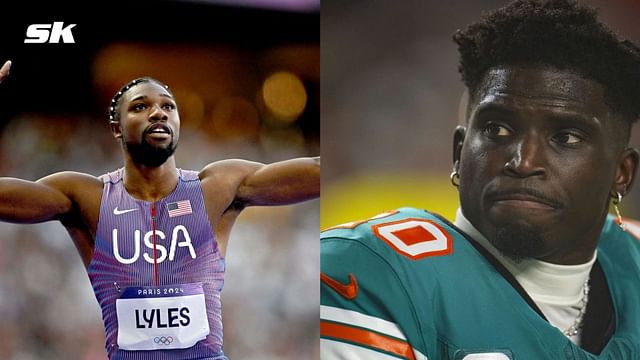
(162,304)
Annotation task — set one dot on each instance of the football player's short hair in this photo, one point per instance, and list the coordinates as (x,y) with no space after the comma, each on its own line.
(114,106)
(558,33)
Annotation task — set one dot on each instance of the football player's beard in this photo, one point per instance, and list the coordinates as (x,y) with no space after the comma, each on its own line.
(148,155)
(518,242)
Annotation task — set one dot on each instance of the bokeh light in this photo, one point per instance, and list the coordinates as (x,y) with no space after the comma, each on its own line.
(284,96)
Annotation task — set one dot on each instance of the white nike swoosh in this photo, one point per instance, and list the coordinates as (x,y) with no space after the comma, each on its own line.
(120,212)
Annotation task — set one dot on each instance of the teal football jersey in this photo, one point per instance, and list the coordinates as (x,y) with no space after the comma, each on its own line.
(407,284)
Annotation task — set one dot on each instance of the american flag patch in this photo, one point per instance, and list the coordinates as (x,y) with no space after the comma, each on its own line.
(179,208)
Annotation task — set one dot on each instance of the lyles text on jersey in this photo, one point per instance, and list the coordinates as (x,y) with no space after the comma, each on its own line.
(162,318)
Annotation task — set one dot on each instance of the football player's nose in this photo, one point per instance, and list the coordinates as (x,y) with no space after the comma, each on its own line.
(158,114)
(527,158)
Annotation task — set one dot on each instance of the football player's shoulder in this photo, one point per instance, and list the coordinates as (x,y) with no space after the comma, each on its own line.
(629,230)
(621,243)
(407,233)
(365,230)
(632,227)
(368,303)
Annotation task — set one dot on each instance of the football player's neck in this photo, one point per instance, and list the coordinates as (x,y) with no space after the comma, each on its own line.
(150,183)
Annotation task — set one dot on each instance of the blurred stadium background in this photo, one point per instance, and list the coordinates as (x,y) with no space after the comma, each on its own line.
(390,101)
(246,75)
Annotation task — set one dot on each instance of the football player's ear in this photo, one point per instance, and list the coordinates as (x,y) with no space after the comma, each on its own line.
(458,140)
(626,171)
(116,130)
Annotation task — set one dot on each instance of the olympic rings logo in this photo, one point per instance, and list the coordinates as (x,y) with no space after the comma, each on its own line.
(163,340)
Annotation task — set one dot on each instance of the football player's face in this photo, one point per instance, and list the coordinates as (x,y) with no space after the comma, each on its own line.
(540,156)
(149,113)
(149,124)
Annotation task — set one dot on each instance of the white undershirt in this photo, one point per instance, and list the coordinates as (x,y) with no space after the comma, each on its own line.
(556,289)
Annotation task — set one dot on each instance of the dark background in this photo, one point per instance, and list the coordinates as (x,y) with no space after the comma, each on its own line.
(58,78)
